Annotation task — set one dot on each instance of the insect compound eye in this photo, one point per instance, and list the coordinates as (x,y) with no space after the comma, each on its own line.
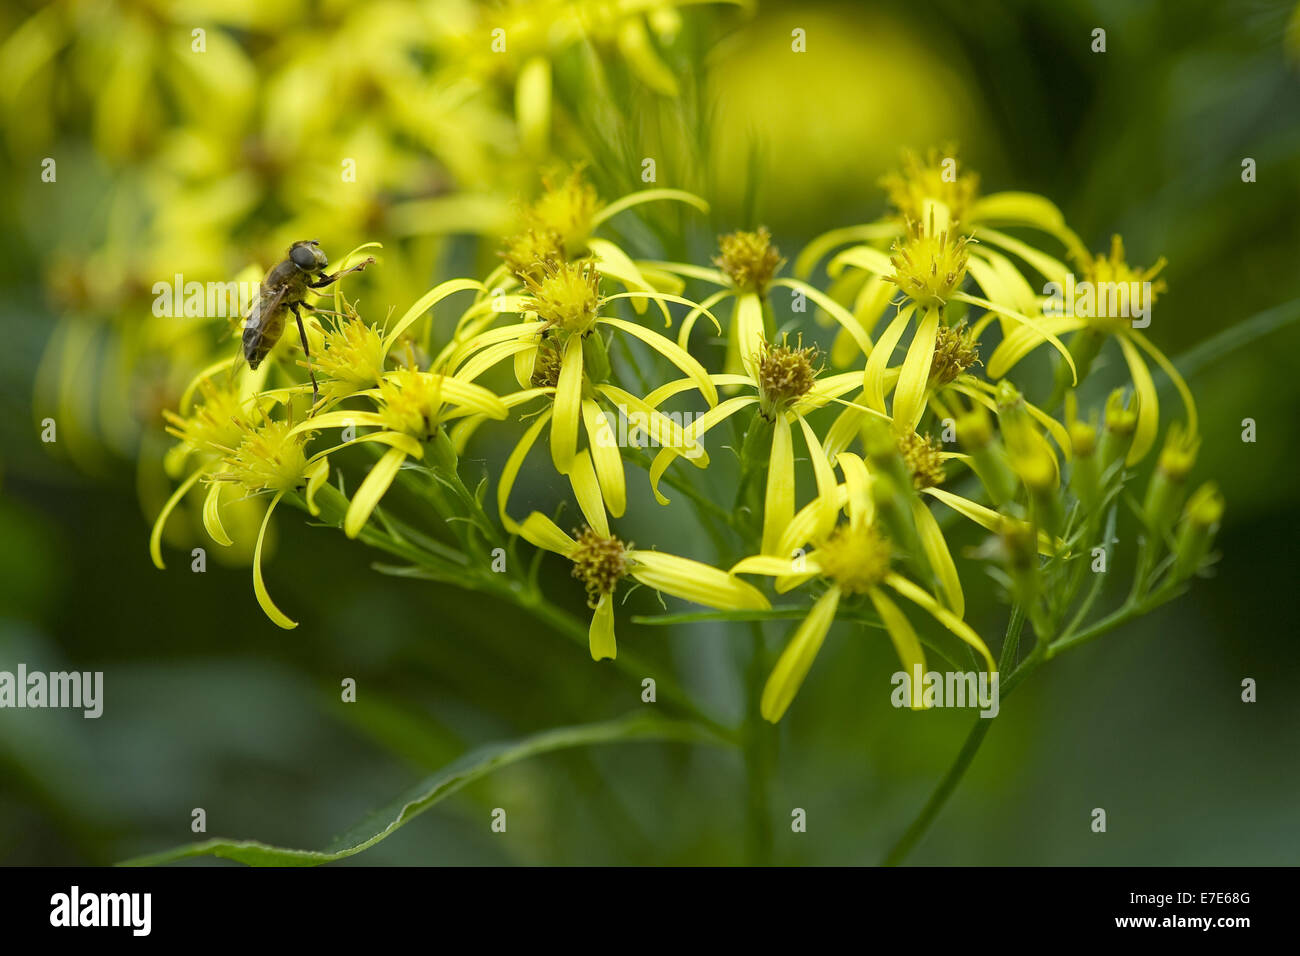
(304,257)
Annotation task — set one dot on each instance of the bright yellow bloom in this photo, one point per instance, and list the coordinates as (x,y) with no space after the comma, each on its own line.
(1099,323)
(785,388)
(747,268)
(601,561)
(562,319)
(560,226)
(853,559)
(411,409)
(270,458)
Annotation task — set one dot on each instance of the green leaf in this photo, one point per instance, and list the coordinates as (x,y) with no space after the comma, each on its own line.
(1218,346)
(429,791)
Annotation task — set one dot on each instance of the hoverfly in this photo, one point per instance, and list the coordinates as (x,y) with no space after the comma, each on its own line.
(284,290)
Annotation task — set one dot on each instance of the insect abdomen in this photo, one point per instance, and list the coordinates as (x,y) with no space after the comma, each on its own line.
(260,335)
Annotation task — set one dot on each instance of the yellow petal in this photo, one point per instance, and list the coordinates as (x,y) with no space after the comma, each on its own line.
(803,526)
(1184,392)
(634,43)
(906,644)
(873,379)
(512,466)
(490,356)
(600,637)
(357,419)
(582,476)
(277,616)
(765,564)
(692,434)
(316,474)
(568,406)
(424,303)
(857,482)
(401,440)
(778,501)
(1051,269)
(212,514)
(847,320)
(820,247)
(1148,410)
(674,353)
(941,614)
(533,105)
(826,483)
(1017,209)
(155,536)
(540,531)
(748,334)
(372,489)
(938,556)
(649,195)
(688,323)
(667,432)
(861,257)
(613,262)
(914,379)
(797,658)
(992,520)
(1036,330)
(695,581)
(605,456)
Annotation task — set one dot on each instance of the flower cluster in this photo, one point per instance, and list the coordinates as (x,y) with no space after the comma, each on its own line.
(854,461)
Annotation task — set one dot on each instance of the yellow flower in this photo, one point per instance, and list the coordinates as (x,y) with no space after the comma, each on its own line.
(563,313)
(930,264)
(939,188)
(853,559)
(785,388)
(560,226)
(1092,328)
(930,268)
(944,201)
(411,408)
(748,263)
(270,458)
(210,430)
(749,259)
(352,358)
(601,561)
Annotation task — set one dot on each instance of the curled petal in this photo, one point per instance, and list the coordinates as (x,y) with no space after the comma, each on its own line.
(278,617)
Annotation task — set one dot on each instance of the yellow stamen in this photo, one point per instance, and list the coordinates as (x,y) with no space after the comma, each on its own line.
(749,259)
(921,456)
(599,562)
(930,264)
(955,350)
(919,184)
(785,374)
(567,295)
(855,558)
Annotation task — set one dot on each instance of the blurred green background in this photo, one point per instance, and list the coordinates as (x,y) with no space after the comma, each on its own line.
(209,705)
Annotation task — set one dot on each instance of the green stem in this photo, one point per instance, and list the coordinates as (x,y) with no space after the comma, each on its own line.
(758,739)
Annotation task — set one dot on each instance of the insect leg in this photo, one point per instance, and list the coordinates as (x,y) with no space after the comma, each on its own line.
(325,280)
(302,332)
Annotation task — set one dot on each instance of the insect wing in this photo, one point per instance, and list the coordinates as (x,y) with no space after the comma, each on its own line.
(261,330)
